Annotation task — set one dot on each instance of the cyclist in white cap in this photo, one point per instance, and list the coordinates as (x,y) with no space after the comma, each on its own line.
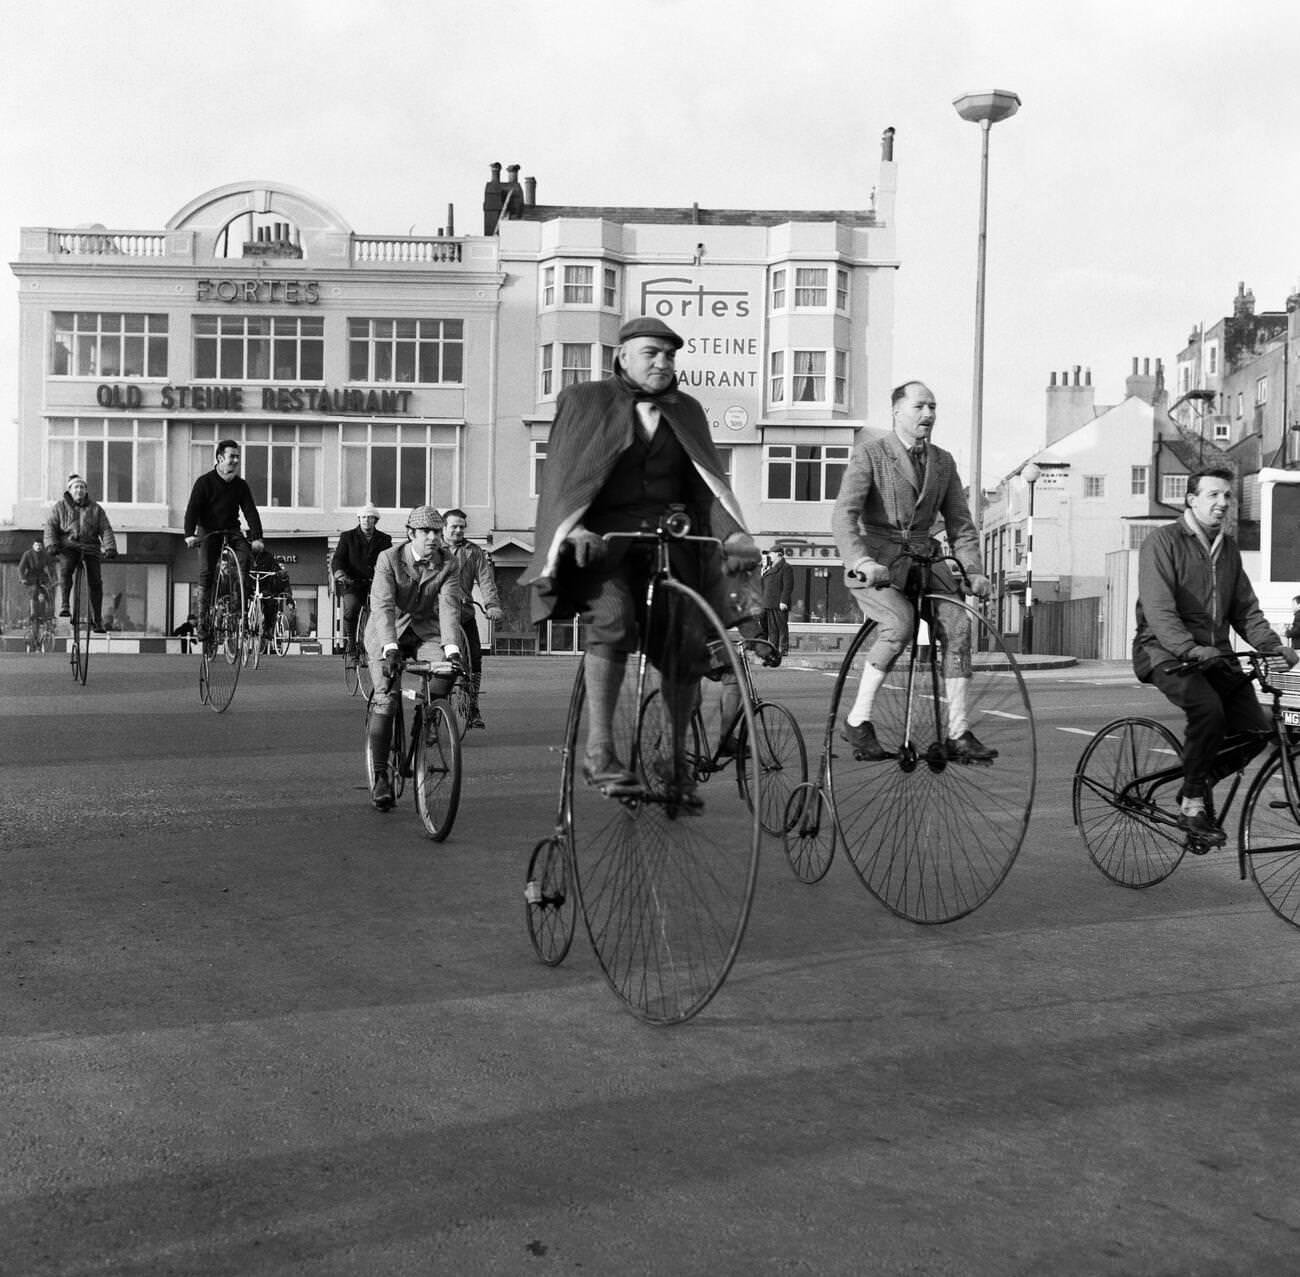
(415,604)
(353,568)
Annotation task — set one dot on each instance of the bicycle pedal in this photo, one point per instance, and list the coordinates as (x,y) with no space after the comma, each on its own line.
(1199,848)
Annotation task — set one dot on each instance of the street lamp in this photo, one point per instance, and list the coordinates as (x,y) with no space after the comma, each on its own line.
(986,110)
(1029,473)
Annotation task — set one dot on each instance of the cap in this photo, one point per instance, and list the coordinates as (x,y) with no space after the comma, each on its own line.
(368,511)
(649,326)
(424,516)
(73,478)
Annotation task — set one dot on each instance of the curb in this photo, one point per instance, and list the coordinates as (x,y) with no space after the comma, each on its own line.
(1025,664)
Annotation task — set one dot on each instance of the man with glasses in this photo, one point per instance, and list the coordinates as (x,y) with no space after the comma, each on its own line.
(415,605)
(216,501)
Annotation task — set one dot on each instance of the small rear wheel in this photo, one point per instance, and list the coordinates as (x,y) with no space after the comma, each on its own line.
(550,900)
(809,832)
(782,760)
(1122,774)
(437,769)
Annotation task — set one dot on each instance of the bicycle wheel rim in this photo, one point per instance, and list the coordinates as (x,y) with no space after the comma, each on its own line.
(437,769)
(223,647)
(1114,816)
(665,889)
(550,901)
(810,833)
(932,838)
(782,760)
(462,700)
(1270,839)
(81,627)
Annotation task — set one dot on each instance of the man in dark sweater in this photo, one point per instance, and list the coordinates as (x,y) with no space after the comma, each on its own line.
(215,504)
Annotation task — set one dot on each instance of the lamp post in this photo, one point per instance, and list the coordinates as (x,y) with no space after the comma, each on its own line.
(986,110)
(1029,473)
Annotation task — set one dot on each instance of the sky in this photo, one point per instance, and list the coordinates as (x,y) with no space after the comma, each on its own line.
(1151,167)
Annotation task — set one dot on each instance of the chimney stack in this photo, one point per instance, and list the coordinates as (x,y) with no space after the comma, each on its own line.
(1069,404)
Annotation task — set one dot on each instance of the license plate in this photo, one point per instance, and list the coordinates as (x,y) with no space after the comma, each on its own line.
(1291,717)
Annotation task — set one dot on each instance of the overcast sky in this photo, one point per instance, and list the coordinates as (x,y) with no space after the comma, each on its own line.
(1152,166)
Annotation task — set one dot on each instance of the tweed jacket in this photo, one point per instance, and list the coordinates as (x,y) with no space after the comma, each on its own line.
(594,425)
(474,564)
(1188,597)
(405,598)
(882,509)
(355,557)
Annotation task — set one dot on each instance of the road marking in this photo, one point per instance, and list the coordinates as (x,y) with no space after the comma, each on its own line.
(1001,713)
(1078,731)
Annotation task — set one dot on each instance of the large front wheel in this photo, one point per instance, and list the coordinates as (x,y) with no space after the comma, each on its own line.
(79,645)
(437,769)
(223,644)
(1270,837)
(1128,769)
(934,826)
(665,871)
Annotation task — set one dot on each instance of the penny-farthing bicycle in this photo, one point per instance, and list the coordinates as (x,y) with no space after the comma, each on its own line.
(664,876)
(932,827)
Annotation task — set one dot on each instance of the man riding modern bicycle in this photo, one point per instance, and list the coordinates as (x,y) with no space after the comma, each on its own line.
(475,567)
(415,605)
(34,573)
(897,487)
(353,568)
(621,452)
(1192,591)
(78,531)
(216,501)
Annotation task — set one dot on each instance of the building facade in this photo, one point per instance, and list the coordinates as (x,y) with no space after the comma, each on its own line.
(403,370)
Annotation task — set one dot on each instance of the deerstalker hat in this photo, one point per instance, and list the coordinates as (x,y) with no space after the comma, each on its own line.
(649,326)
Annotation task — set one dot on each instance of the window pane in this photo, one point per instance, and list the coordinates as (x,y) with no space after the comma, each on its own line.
(414,486)
(281,476)
(309,477)
(148,475)
(383,477)
(117,483)
(355,491)
(254,470)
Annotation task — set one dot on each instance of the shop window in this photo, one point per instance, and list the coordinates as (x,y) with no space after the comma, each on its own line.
(425,352)
(259,348)
(820,597)
(94,344)
(803,472)
(121,460)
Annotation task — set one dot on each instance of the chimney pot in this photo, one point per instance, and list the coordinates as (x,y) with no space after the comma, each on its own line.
(530,191)
(1134,373)
(1053,381)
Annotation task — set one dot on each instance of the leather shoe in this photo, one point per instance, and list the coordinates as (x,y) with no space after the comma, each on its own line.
(381,792)
(968,748)
(1200,827)
(603,771)
(677,784)
(866,748)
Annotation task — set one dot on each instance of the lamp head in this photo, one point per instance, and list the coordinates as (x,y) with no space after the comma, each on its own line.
(994,106)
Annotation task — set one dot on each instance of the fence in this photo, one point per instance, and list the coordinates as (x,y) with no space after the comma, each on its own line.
(1068,628)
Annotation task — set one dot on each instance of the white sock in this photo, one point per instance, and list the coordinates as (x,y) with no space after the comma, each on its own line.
(1193,806)
(866,697)
(958,692)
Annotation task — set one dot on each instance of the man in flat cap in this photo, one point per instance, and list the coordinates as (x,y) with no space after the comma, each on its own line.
(353,568)
(621,452)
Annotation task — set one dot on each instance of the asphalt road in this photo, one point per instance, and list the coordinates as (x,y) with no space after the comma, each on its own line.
(252,1027)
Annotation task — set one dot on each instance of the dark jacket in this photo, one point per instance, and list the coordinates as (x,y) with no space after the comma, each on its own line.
(355,557)
(777,585)
(1186,598)
(595,423)
(33,567)
(85,526)
(215,504)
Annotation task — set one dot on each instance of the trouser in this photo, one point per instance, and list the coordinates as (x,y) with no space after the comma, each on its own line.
(354,599)
(893,614)
(210,552)
(68,560)
(776,628)
(1218,700)
(383,701)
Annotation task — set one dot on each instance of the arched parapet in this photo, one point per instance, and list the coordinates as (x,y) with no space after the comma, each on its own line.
(267,221)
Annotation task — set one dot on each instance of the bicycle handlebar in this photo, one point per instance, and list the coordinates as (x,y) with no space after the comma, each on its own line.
(926,559)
